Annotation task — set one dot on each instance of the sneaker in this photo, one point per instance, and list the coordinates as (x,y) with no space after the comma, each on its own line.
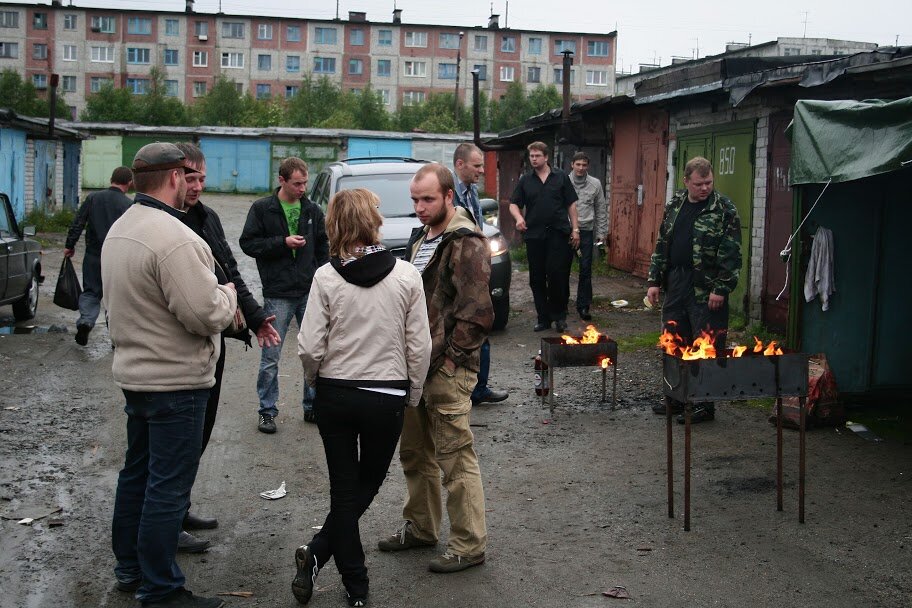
(82,334)
(187,543)
(448,562)
(128,586)
(355,600)
(659,408)
(184,599)
(310,416)
(698,415)
(404,539)
(303,584)
(267,424)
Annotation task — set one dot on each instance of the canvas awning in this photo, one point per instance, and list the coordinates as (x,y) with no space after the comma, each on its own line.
(847,140)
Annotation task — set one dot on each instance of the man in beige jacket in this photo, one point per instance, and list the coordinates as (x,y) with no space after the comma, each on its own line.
(166,311)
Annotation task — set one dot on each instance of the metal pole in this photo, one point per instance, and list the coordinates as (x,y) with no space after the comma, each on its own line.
(779,454)
(604,382)
(614,388)
(687,411)
(456,92)
(669,457)
(801,456)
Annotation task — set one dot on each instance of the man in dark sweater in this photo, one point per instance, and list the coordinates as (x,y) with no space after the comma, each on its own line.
(100,210)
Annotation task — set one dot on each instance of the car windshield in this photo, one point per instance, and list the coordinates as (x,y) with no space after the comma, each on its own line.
(392,188)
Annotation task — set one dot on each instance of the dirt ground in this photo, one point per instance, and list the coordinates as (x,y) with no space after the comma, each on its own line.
(576,502)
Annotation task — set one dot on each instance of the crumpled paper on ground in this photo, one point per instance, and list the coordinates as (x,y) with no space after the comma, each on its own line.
(274,494)
(617,591)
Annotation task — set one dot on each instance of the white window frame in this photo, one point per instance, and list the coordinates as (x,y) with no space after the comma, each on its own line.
(201,28)
(415,39)
(508,44)
(233,30)
(68,79)
(389,68)
(9,19)
(417,69)
(39,51)
(321,34)
(324,62)
(201,59)
(384,96)
(359,63)
(9,50)
(172,27)
(481,43)
(102,54)
(70,52)
(172,88)
(40,81)
(136,21)
(264,31)
(268,58)
(593,46)
(104,24)
(97,82)
(596,78)
(288,66)
(529,72)
(232,60)
(200,88)
(412,98)
(507,73)
(291,90)
(70,21)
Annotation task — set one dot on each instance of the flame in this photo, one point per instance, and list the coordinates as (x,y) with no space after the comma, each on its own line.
(668,341)
(604,362)
(568,339)
(738,351)
(703,347)
(590,336)
(772,349)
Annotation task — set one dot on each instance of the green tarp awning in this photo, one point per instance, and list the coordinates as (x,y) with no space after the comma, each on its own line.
(847,140)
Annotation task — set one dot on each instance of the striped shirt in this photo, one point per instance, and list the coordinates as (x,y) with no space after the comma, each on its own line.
(426,252)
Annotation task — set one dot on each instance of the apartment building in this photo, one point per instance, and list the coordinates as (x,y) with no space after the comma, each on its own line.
(268,56)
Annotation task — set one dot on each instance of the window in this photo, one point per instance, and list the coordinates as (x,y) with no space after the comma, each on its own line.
(11,19)
(264,62)
(293,63)
(263,91)
(597,48)
(201,28)
(103,54)
(384,96)
(69,22)
(291,90)
(355,67)
(137,55)
(293,33)
(40,21)
(232,29)
(105,25)
(138,86)
(481,43)
(508,44)
(482,70)
(446,71)
(172,27)
(9,50)
(171,57)
(264,31)
(385,38)
(172,88)
(68,84)
(200,59)
(449,41)
(139,26)
(40,81)
(816,52)
(533,75)
(324,65)
(415,68)
(410,98)
(199,88)
(596,78)
(564,45)
(535,46)
(507,73)
(416,39)
(356,37)
(325,35)
(232,60)
(239,87)
(97,82)
(559,76)
(792,51)
(39,51)
(384,67)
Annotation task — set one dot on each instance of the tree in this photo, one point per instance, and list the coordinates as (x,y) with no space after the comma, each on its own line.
(543,99)
(21,97)
(371,113)
(156,107)
(109,104)
(223,105)
(314,103)
(511,109)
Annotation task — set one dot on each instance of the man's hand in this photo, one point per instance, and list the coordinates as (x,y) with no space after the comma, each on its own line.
(68,253)
(521,225)
(716,301)
(231,285)
(295,241)
(653,295)
(575,239)
(266,333)
(449,365)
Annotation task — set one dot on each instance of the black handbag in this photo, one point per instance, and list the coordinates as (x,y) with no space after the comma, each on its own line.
(68,290)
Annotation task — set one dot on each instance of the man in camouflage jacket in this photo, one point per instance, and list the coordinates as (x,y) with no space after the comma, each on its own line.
(452,256)
(697,261)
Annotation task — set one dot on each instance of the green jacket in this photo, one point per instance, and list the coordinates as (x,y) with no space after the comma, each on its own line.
(716,246)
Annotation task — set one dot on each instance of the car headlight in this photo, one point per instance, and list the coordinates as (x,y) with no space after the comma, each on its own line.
(498,245)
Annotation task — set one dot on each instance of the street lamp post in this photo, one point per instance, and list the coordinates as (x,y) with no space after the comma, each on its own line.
(458,61)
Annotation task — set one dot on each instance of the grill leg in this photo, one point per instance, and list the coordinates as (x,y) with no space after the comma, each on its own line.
(614,388)
(801,456)
(551,391)
(604,382)
(687,411)
(669,458)
(779,454)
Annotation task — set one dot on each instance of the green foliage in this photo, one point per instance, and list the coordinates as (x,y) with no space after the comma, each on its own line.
(21,97)
(223,105)
(156,107)
(543,99)
(511,110)
(109,104)
(757,329)
(638,342)
(314,103)
(43,221)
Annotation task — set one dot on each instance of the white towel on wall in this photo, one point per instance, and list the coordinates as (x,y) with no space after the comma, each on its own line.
(820,279)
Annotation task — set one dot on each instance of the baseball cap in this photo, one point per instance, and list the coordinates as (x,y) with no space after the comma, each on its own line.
(160,156)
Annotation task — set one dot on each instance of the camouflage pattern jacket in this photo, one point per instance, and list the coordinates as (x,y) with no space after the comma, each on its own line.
(716,246)
(456,288)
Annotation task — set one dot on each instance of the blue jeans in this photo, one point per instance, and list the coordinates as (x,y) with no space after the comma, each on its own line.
(484,370)
(584,286)
(164,434)
(90,300)
(284,309)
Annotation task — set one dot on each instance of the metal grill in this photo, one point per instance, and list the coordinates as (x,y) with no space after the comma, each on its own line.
(555,353)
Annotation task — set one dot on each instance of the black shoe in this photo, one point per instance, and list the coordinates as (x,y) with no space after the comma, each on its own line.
(356,600)
(560,326)
(698,415)
(184,599)
(310,416)
(195,522)
(541,326)
(584,314)
(659,408)
(187,543)
(492,396)
(267,424)
(128,586)
(303,584)
(82,334)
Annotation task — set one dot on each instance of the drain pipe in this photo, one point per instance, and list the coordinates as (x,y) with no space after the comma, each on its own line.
(55,80)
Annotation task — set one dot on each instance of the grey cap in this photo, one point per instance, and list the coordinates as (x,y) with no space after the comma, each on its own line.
(160,156)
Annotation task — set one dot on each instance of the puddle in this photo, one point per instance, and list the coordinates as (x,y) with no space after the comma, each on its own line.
(6,330)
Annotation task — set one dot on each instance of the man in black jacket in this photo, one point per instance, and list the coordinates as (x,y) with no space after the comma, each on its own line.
(206,223)
(286,234)
(99,211)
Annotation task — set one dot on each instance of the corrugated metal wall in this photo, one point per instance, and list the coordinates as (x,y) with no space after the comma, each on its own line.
(100,156)
(45,173)
(70,194)
(236,165)
(436,151)
(12,161)
(316,154)
(362,147)
(779,207)
(131,145)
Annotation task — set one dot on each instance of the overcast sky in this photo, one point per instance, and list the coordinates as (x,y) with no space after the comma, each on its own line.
(649,31)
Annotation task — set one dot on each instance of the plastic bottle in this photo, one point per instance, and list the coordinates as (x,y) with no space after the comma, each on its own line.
(541,376)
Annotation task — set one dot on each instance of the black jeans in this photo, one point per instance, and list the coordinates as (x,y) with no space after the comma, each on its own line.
(360,430)
(214,394)
(549,275)
(584,286)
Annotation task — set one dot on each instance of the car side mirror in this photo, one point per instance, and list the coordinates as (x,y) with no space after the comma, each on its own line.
(28,230)
(489,205)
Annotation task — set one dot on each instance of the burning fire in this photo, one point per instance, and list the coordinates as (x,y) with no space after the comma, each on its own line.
(604,362)
(703,347)
(590,336)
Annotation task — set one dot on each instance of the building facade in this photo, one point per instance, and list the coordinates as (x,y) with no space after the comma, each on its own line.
(269,56)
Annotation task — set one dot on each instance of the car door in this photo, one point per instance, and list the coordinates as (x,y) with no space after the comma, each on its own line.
(12,253)
(6,238)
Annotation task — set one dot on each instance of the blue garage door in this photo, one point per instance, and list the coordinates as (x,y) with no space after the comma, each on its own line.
(361,147)
(236,165)
(12,169)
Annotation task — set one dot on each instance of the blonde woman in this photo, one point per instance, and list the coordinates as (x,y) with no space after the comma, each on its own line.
(365,345)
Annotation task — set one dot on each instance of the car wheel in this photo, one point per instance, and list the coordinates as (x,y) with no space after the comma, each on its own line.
(27,307)
(501,312)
